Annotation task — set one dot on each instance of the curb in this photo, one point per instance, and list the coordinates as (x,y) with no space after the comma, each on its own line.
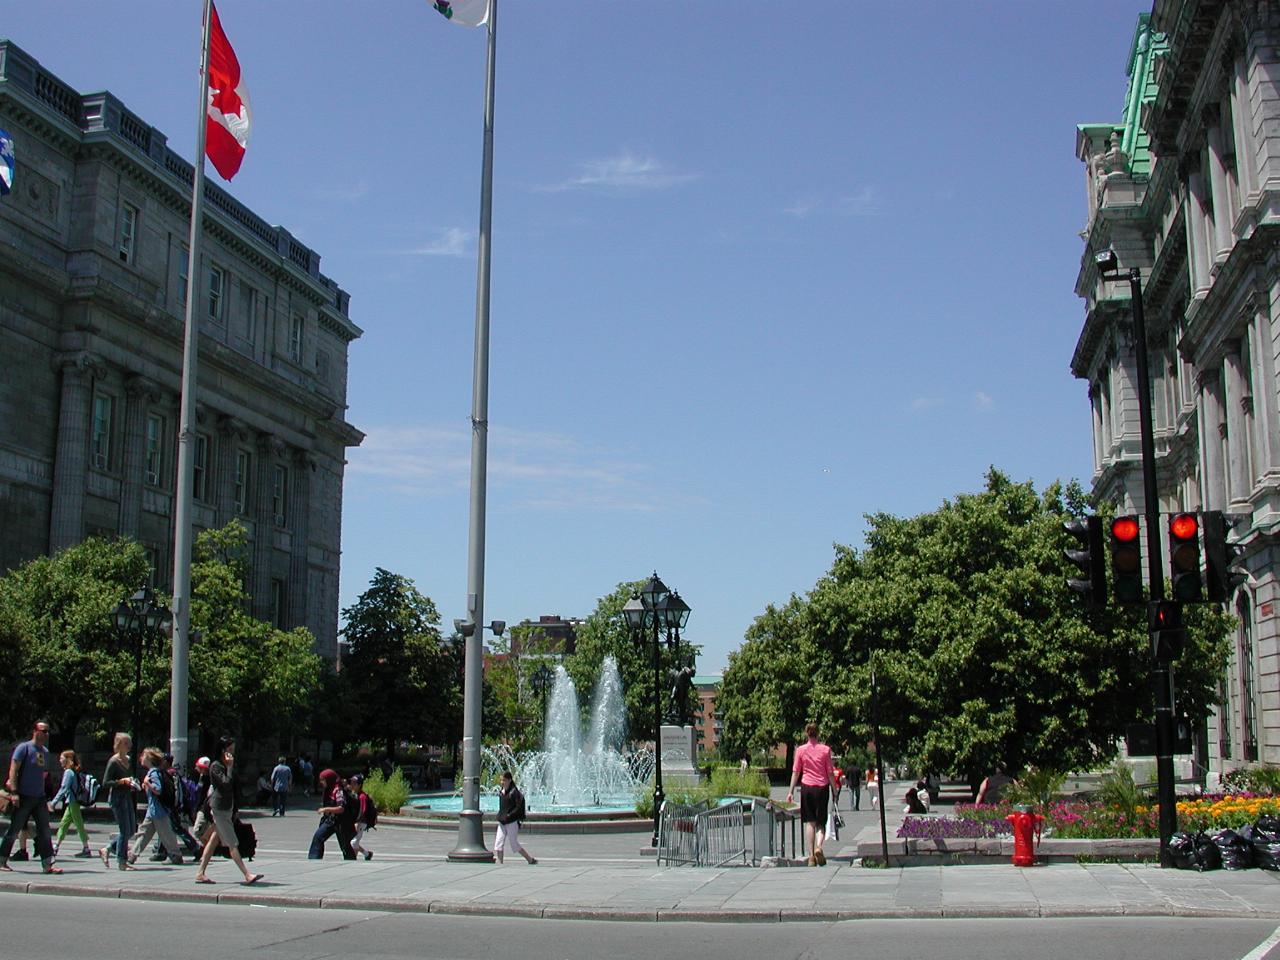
(658,915)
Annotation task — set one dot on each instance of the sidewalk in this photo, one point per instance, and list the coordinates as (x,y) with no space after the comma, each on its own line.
(643,891)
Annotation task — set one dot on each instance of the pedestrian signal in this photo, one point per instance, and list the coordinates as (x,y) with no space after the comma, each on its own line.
(1126,560)
(1164,622)
(1184,557)
(1088,556)
(1223,572)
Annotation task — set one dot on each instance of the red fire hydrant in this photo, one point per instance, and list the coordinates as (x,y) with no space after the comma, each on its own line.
(1026,825)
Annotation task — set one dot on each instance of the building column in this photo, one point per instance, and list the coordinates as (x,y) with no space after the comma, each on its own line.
(140,393)
(1095,406)
(1223,214)
(299,523)
(71,459)
(1209,416)
(264,525)
(231,433)
(1246,149)
(1197,254)
(1266,421)
(1239,473)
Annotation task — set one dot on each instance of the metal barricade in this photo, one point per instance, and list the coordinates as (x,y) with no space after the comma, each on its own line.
(761,830)
(722,835)
(677,833)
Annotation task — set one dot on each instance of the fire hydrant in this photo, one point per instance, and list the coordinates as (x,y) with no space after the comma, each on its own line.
(1026,825)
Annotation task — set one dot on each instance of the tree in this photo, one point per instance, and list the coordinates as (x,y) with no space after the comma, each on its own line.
(402,672)
(981,652)
(59,655)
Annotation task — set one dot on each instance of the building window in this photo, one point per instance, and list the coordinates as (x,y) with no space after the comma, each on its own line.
(128,232)
(103,414)
(1248,693)
(248,311)
(155,448)
(184,262)
(295,338)
(280,494)
(153,562)
(277,602)
(200,472)
(243,462)
(217,291)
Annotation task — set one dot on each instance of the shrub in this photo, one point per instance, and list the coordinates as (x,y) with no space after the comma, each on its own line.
(1035,787)
(1119,790)
(732,781)
(388,795)
(1263,778)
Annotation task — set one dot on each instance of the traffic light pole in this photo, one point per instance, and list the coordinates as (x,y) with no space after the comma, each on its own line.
(1161,678)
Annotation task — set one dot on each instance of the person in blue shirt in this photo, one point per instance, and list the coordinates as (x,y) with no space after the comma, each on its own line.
(28,770)
(157,818)
(281,783)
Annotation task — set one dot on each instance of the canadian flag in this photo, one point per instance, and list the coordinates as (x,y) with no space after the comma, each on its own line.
(227,125)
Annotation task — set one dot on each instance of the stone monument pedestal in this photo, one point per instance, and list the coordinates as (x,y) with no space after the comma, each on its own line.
(679,750)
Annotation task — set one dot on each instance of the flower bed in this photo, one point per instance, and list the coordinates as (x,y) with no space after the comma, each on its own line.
(1091,820)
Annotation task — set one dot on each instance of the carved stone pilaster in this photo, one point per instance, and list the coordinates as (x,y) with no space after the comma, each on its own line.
(71,459)
(140,394)
(302,465)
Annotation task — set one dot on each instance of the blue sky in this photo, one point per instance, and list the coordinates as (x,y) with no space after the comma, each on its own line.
(758,268)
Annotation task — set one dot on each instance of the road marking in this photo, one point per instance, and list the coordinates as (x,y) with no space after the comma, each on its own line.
(1261,950)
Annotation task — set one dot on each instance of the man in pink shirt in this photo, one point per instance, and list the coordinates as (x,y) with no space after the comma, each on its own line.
(815,771)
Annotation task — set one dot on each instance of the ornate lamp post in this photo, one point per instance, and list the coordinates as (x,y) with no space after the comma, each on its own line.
(139,619)
(655,608)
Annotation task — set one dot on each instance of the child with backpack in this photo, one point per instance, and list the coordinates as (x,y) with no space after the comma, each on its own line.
(336,817)
(70,794)
(366,816)
(159,789)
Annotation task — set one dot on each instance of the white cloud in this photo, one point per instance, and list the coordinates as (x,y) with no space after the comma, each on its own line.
(625,173)
(802,207)
(450,242)
(983,401)
(920,404)
(864,203)
(533,470)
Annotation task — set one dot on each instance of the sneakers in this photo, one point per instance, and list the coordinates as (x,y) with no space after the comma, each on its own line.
(368,854)
(20,856)
(85,854)
(159,857)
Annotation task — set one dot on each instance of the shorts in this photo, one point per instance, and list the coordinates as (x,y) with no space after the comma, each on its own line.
(508,834)
(226,828)
(813,804)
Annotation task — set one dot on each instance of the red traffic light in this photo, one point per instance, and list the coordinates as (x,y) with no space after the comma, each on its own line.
(1124,529)
(1184,526)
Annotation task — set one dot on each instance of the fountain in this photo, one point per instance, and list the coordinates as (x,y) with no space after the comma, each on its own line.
(571,775)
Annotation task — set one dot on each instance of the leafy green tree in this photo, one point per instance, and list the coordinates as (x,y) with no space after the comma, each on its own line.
(59,655)
(402,672)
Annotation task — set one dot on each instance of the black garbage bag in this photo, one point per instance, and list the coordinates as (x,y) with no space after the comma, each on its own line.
(1194,851)
(1266,843)
(1235,847)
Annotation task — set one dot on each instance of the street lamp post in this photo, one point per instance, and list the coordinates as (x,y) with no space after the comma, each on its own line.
(139,618)
(656,607)
(470,847)
(1162,679)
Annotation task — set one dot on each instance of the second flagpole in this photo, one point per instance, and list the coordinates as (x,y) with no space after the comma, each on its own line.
(470,845)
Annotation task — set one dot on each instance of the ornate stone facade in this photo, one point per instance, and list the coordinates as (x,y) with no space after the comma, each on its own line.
(1186,187)
(92,302)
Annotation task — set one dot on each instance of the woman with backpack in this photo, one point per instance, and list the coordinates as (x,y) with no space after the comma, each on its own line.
(366,816)
(69,795)
(510,813)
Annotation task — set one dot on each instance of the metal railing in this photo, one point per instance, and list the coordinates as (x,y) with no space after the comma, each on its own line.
(701,835)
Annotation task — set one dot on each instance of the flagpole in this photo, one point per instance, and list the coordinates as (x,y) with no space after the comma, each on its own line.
(470,828)
(186,433)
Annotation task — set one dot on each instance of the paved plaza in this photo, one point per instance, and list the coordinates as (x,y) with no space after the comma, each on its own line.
(606,876)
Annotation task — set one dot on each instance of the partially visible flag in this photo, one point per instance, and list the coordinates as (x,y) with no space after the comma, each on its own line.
(6,163)
(227,126)
(465,13)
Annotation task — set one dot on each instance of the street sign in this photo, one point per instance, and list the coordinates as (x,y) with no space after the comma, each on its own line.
(1140,738)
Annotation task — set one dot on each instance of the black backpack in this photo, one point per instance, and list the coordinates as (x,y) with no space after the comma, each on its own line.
(368,811)
(350,809)
(169,791)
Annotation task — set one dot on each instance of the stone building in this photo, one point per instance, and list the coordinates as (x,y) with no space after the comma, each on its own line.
(1186,188)
(93,276)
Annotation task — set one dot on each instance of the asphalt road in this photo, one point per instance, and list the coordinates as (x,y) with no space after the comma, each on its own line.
(57,928)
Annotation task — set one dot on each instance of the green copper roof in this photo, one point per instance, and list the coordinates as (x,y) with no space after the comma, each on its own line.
(1147,47)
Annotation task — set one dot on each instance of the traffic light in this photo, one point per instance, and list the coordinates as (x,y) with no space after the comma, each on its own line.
(1164,621)
(1184,557)
(1126,560)
(1088,557)
(1222,573)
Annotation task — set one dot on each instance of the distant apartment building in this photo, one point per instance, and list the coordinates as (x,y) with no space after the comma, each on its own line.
(706,722)
(93,283)
(1185,187)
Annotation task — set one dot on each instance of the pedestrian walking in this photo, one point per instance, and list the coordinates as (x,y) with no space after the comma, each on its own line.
(222,806)
(366,817)
(120,786)
(306,773)
(158,788)
(511,814)
(203,822)
(873,787)
(28,773)
(992,788)
(814,770)
(853,775)
(69,796)
(334,813)
(176,813)
(281,784)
